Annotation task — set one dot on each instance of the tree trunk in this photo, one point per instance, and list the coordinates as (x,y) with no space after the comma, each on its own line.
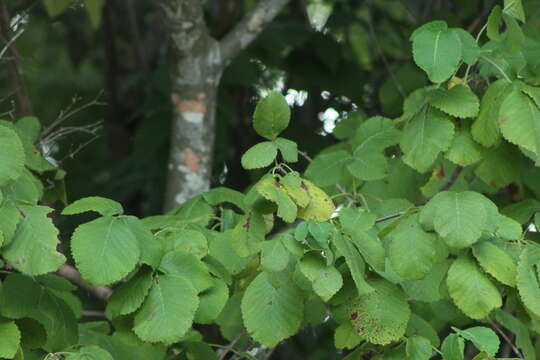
(198,62)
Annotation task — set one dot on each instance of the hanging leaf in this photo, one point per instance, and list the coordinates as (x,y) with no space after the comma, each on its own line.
(424,137)
(381,316)
(11,155)
(471,290)
(259,155)
(436,50)
(168,311)
(271,312)
(527,278)
(482,337)
(271,116)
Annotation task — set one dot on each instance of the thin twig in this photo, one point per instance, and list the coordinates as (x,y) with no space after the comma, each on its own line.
(226,350)
(21,93)
(389,217)
(451,180)
(505,337)
(93,313)
(11,41)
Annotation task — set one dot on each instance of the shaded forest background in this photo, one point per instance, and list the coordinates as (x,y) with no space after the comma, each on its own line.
(333,59)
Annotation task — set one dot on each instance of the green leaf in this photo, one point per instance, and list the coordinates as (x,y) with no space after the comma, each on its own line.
(327,169)
(471,290)
(11,155)
(274,255)
(288,149)
(221,249)
(230,319)
(418,326)
(248,234)
(459,218)
(346,337)
(428,288)
(212,302)
(321,208)
(271,116)
(33,248)
(370,314)
(469,46)
(129,296)
(436,50)
(459,101)
(496,262)
(222,194)
(105,250)
(89,353)
(168,311)
(9,219)
(354,262)
(103,206)
(94,9)
(418,348)
(411,249)
(464,151)
(271,312)
(10,337)
(56,7)
(527,278)
(373,136)
(485,128)
(499,167)
(482,337)
(150,247)
(514,8)
(493,23)
(259,155)
(453,348)
(189,241)
(424,137)
(515,38)
(179,263)
(508,228)
(519,121)
(272,189)
(326,280)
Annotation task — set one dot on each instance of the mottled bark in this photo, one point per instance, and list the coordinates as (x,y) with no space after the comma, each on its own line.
(198,62)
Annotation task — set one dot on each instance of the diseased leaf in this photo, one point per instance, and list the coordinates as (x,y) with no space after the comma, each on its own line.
(471,290)
(320,208)
(272,189)
(271,312)
(168,311)
(370,316)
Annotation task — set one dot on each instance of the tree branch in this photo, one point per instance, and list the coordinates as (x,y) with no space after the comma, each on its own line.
(70,273)
(243,34)
(21,93)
